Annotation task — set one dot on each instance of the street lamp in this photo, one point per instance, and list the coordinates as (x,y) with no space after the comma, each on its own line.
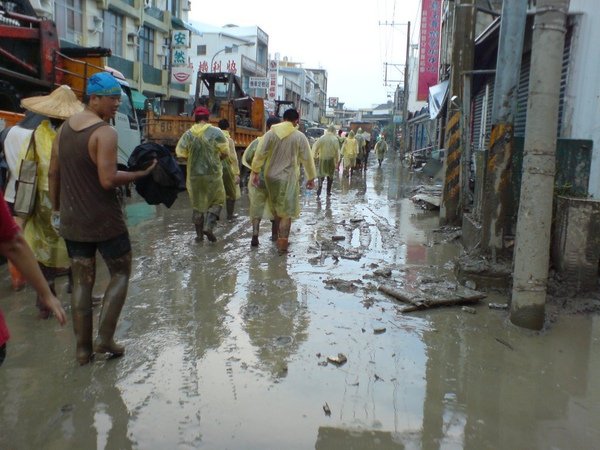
(233,47)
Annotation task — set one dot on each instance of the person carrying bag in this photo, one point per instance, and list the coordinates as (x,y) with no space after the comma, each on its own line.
(27,183)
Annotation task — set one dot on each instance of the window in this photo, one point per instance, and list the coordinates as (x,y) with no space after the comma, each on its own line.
(201,50)
(69,20)
(113,32)
(147,46)
(175,8)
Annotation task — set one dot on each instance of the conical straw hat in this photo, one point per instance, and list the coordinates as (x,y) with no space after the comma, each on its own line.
(60,104)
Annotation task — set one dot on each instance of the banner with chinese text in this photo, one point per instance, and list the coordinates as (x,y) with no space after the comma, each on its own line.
(429,47)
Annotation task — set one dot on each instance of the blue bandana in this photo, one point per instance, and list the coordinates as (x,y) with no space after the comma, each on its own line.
(103,83)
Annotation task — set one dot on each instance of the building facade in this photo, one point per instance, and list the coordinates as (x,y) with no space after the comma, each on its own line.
(140,35)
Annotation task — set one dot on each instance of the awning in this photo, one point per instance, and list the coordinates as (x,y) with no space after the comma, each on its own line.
(437,97)
(139,99)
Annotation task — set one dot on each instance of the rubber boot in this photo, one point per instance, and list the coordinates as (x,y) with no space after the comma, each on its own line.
(17,280)
(209,223)
(320,188)
(329,184)
(199,229)
(198,221)
(230,205)
(274,230)
(255,232)
(109,316)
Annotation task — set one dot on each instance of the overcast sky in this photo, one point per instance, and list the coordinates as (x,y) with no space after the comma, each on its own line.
(347,38)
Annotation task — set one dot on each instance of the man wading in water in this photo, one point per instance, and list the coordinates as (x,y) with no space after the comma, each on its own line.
(83,180)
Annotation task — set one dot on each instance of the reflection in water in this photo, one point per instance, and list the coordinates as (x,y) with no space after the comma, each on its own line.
(483,394)
(273,317)
(378,181)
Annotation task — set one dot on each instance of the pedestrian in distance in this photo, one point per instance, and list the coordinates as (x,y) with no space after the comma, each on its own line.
(360,157)
(367,148)
(15,248)
(283,150)
(259,204)
(326,151)
(204,146)
(349,153)
(83,183)
(231,172)
(49,248)
(380,148)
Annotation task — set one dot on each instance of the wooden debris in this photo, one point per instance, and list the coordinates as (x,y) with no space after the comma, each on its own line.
(435,298)
(340,360)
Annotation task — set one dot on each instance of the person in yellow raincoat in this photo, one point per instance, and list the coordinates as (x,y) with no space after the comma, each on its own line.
(259,205)
(380,148)
(349,152)
(48,247)
(282,151)
(360,157)
(231,172)
(327,151)
(204,146)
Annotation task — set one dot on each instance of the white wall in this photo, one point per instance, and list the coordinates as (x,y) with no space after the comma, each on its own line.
(583,92)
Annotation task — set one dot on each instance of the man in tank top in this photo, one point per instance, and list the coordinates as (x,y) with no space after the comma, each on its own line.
(83,182)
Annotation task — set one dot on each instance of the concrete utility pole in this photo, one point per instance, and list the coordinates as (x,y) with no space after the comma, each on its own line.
(405,139)
(532,248)
(508,71)
(465,16)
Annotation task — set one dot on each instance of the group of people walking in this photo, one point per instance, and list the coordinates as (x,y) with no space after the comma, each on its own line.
(274,160)
(79,210)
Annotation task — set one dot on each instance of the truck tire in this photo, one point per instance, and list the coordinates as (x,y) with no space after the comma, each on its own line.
(9,99)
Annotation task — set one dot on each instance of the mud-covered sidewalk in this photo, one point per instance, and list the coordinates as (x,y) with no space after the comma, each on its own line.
(230,347)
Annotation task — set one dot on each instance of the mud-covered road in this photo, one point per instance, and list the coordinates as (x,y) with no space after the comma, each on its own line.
(229,347)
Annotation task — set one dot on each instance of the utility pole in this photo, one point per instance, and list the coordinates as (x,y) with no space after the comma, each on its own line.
(498,167)
(462,61)
(532,249)
(405,106)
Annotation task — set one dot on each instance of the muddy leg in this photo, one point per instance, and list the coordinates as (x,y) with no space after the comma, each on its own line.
(114,298)
(320,186)
(329,183)
(84,274)
(285,224)
(230,206)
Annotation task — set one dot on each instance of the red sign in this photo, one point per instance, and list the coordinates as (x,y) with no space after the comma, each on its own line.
(429,47)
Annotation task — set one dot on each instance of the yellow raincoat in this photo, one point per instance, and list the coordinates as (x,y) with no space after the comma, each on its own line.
(361,144)
(380,148)
(48,248)
(281,151)
(231,171)
(259,205)
(203,146)
(350,150)
(327,151)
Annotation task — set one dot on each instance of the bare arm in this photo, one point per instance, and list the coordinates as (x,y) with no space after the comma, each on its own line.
(20,255)
(103,151)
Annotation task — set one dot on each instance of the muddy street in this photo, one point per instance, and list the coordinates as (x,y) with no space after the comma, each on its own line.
(230,347)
